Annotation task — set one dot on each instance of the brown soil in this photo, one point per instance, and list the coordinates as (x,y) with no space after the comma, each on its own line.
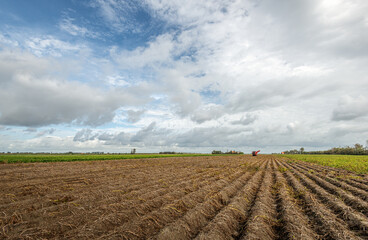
(231,197)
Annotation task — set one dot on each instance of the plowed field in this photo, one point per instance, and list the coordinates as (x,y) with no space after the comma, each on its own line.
(231,197)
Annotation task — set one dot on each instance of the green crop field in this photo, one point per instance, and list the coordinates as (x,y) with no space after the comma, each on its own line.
(26,158)
(355,163)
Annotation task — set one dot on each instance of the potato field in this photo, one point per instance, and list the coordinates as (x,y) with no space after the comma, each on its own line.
(208,197)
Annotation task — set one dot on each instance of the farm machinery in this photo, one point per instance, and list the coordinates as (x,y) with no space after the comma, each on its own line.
(254,153)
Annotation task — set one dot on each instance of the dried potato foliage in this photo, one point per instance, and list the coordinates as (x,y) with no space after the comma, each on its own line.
(219,197)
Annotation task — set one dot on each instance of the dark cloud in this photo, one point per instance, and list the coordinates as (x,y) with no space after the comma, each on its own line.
(119,139)
(134,116)
(38,99)
(336,28)
(212,137)
(84,135)
(273,93)
(46,132)
(41,133)
(153,136)
(142,134)
(341,132)
(350,108)
(245,120)
(147,136)
(207,113)
(30,130)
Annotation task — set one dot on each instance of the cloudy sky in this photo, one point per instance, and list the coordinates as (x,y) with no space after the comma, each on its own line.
(164,75)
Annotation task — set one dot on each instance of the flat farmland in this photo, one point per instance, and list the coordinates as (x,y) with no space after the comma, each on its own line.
(208,197)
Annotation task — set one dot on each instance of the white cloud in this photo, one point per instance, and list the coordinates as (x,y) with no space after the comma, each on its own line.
(8,42)
(117,81)
(108,9)
(68,26)
(155,53)
(48,45)
(119,15)
(226,73)
(258,57)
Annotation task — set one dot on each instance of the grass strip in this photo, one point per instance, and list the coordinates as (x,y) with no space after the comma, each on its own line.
(354,163)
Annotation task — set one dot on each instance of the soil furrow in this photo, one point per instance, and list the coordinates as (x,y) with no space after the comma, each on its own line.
(119,179)
(361,178)
(68,212)
(324,221)
(212,197)
(338,183)
(152,223)
(104,221)
(356,221)
(142,209)
(336,180)
(279,227)
(262,220)
(228,222)
(294,222)
(364,182)
(24,192)
(189,225)
(105,197)
(346,197)
(355,184)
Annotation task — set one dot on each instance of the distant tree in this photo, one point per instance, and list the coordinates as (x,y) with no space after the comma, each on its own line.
(358,146)
(216,152)
(357,149)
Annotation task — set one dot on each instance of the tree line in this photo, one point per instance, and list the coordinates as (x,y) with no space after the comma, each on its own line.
(357,149)
(228,152)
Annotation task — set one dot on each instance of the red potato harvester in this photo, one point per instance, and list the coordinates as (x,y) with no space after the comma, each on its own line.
(254,153)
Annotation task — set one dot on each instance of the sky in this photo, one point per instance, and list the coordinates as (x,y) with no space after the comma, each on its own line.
(192,76)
